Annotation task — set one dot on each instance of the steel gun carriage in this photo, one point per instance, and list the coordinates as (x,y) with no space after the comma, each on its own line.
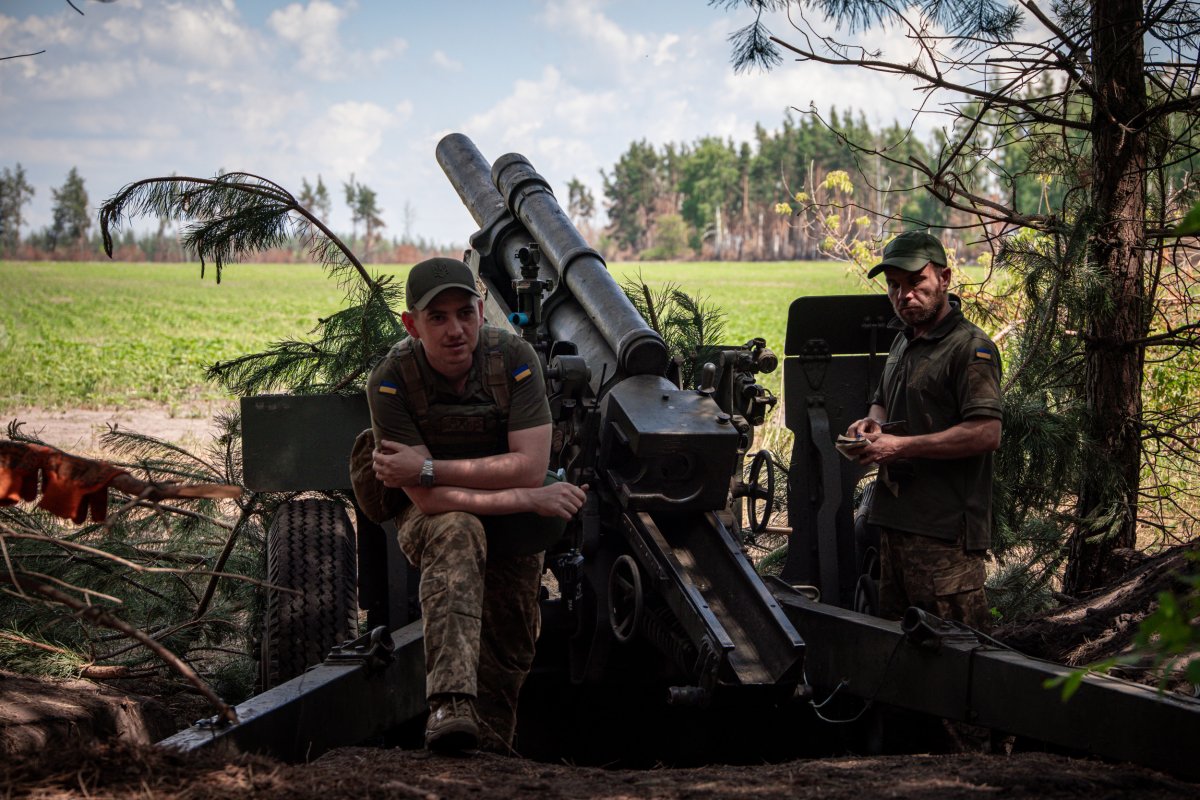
(655,601)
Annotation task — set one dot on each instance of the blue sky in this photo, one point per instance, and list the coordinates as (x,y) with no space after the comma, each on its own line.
(139,88)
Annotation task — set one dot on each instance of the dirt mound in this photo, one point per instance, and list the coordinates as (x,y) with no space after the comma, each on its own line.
(39,715)
(1104,625)
(125,771)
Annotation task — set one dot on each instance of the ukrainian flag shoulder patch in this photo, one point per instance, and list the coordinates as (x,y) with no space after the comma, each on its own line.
(521,373)
(387,387)
(984,353)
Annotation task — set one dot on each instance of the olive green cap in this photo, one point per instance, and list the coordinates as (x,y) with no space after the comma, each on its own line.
(910,252)
(433,276)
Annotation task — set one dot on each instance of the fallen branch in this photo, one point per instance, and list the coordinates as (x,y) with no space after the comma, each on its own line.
(98,615)
(146,490)
(69,545)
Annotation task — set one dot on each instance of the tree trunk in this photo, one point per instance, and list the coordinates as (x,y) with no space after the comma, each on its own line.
(1113,392)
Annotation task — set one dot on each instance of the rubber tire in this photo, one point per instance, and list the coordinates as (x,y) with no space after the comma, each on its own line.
(310,548)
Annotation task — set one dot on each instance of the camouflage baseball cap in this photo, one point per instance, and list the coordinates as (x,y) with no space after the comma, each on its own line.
(433,276)
(910,252)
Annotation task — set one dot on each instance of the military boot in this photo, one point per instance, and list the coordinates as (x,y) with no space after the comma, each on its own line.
(451,727)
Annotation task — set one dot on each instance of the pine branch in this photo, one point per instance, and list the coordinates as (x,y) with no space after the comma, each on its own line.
(83,548)
(98,615)
(231,216)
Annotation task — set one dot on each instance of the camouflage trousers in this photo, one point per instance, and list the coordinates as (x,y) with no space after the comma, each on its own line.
(480,617)
(935,576)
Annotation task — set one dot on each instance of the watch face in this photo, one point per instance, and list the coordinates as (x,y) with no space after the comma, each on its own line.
(427,472)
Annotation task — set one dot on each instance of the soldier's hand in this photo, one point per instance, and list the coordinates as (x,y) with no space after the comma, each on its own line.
(881,448)
(397,465)
(861,427)
(560,499)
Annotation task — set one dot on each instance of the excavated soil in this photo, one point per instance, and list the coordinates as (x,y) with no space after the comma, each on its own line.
(119,772)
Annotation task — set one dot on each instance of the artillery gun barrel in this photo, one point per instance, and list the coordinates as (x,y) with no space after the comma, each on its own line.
(470,175)
(640,350)
(512,188)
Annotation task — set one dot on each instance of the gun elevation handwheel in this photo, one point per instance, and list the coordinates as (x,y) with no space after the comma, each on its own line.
(625,599)
(758,493)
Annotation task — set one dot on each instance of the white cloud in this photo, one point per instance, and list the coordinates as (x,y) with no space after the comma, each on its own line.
(662,53)
(613,48)
(389,52)
(204,36)
(313,30)
(348,137)
(86,81)
(880,97)
(560,106)
(445,62)
(583,20)
(52,30)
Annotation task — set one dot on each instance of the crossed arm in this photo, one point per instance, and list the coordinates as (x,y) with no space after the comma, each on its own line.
(507,483)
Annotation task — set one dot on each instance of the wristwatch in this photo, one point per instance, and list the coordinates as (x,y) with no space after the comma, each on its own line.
(426,477)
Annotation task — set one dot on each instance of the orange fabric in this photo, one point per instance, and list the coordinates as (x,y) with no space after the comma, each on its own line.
(72,486)
(19,465)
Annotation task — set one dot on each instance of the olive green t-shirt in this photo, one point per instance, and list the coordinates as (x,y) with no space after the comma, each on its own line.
(389,397)
(932,383)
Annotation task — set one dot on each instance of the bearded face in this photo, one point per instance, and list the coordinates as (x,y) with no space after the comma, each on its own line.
(920,298)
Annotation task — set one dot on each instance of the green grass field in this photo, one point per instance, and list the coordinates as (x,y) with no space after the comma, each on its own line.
(103,334)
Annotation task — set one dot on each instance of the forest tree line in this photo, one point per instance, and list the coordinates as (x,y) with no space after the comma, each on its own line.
(799,192)
(71,236)
(710,199)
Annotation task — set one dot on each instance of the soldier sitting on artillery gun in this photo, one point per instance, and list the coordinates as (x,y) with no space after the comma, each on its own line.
(933,497)
(462,422)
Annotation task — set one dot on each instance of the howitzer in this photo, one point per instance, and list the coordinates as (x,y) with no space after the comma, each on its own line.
(653,557)
(653,595)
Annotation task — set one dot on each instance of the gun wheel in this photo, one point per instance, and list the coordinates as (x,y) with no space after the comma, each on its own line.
(759,494)
(625,599)
(310,549)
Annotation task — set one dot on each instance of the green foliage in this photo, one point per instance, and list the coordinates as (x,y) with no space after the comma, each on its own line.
(364,209)
(581,203)
(731,193)
(30,654)
(1188,226)
(71,212)
(686,324)
(15,194)
(708,183)
(670,236)
(631,189)
(316,198)
(1044,450)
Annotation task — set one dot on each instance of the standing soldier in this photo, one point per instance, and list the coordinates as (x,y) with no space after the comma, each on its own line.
(460,415)
(933,496)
